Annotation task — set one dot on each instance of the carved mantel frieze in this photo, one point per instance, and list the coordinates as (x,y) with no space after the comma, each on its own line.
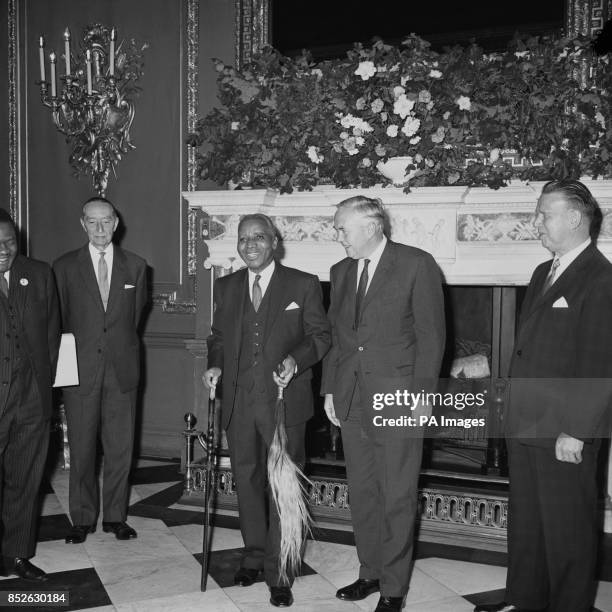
(478,236)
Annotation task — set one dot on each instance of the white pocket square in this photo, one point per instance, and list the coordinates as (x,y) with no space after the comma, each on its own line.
(128,286)
(560,303)
(292,306)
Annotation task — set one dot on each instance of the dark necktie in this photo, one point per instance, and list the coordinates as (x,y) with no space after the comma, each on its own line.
(550,279)
(3,285)
(361,291)
(103,279)
(256,293)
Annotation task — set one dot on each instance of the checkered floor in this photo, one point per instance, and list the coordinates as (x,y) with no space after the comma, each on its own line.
(160,570)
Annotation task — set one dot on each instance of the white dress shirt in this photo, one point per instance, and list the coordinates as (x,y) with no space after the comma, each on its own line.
(566,259)
(94,252)
(264,280)
(374,258)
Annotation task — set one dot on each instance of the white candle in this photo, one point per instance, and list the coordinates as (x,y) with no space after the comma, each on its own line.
(67,50)
(41,56)
(111,64)
(52,60)
(88,61)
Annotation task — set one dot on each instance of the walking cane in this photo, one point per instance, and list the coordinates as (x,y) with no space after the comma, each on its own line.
(288,489)
(209,470)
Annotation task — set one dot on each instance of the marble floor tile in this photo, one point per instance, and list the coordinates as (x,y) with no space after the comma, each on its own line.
(57,556)
(603,600)
(319,605)
(221,538)
(146,490)
(462,577)
(325,557)
(452,604)
(51,505)
(151,579)
(212,600)
(154,542)
(305,589)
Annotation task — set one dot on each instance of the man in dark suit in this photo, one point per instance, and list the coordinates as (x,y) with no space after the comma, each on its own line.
(265,316)
(102,290)
(30,332)
(560,394)
(388,334)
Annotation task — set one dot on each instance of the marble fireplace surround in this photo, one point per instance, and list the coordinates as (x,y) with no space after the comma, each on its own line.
(478,236)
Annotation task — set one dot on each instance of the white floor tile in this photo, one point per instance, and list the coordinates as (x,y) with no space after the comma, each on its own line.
(210,601)
(603,601)
(462,577)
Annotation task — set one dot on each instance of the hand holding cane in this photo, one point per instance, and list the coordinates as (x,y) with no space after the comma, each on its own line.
(210,468)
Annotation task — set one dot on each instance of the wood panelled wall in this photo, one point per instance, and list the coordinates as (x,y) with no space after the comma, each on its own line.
(148,190)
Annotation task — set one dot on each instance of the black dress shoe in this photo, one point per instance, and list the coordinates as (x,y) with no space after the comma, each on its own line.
(502,606)
(121,530)
(358,590)
(78,533)
(246,576)
(281,596)
(389,604)
(27,571)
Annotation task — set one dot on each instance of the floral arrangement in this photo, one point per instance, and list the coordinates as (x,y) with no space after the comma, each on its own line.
(293,124)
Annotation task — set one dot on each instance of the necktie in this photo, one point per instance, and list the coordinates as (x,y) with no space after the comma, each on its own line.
(256,293)
(550,279)
(103,279)
(361,291)
(3,285)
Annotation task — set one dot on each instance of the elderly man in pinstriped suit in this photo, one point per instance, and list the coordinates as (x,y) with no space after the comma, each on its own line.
(30,332)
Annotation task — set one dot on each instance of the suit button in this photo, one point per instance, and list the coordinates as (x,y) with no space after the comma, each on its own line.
(360,348)
(105,330)
(519,352)
(99,350)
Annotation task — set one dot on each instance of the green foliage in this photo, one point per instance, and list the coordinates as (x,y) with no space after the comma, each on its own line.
(292,124)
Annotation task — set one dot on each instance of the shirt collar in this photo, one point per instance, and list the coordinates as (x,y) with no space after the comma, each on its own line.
(567,258)
(264,275)
(376,254)
(95,252)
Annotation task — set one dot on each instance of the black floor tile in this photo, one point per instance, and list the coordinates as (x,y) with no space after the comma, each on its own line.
(156,473)
(83,587)
(53,527)
(223,564)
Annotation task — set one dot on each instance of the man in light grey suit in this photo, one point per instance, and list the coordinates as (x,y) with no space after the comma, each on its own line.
(102,290)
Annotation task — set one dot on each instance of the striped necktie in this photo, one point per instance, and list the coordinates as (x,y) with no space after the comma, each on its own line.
(550,279)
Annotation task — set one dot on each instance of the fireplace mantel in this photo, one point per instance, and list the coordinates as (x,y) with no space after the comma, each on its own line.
(478,236)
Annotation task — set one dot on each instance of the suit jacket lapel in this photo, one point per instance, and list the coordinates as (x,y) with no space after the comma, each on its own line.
(118,278)
(242,292)
(380,275)
(88,275)
(276,291)
(567,278)
(18,292)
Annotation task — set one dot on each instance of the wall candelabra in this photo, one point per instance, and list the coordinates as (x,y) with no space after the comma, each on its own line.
(94,104)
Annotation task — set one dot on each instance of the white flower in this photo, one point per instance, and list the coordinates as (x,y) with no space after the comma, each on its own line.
(318,72)
(360,104)
(234,125)
(377,105)
(403,106)
(367,162)
(411,126)
(359,141)
(435,74)
(424,96)
(415,140)
(351,146)
(344,135)
(438,136)
(380,150)
(347,121)
(398,91)
(464,103)
(23,282)
(446,115)
(404,80)
(494,155)
(356,123)
(365,70)
(313,155)
(600,119)
(392,131)
(521,53)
